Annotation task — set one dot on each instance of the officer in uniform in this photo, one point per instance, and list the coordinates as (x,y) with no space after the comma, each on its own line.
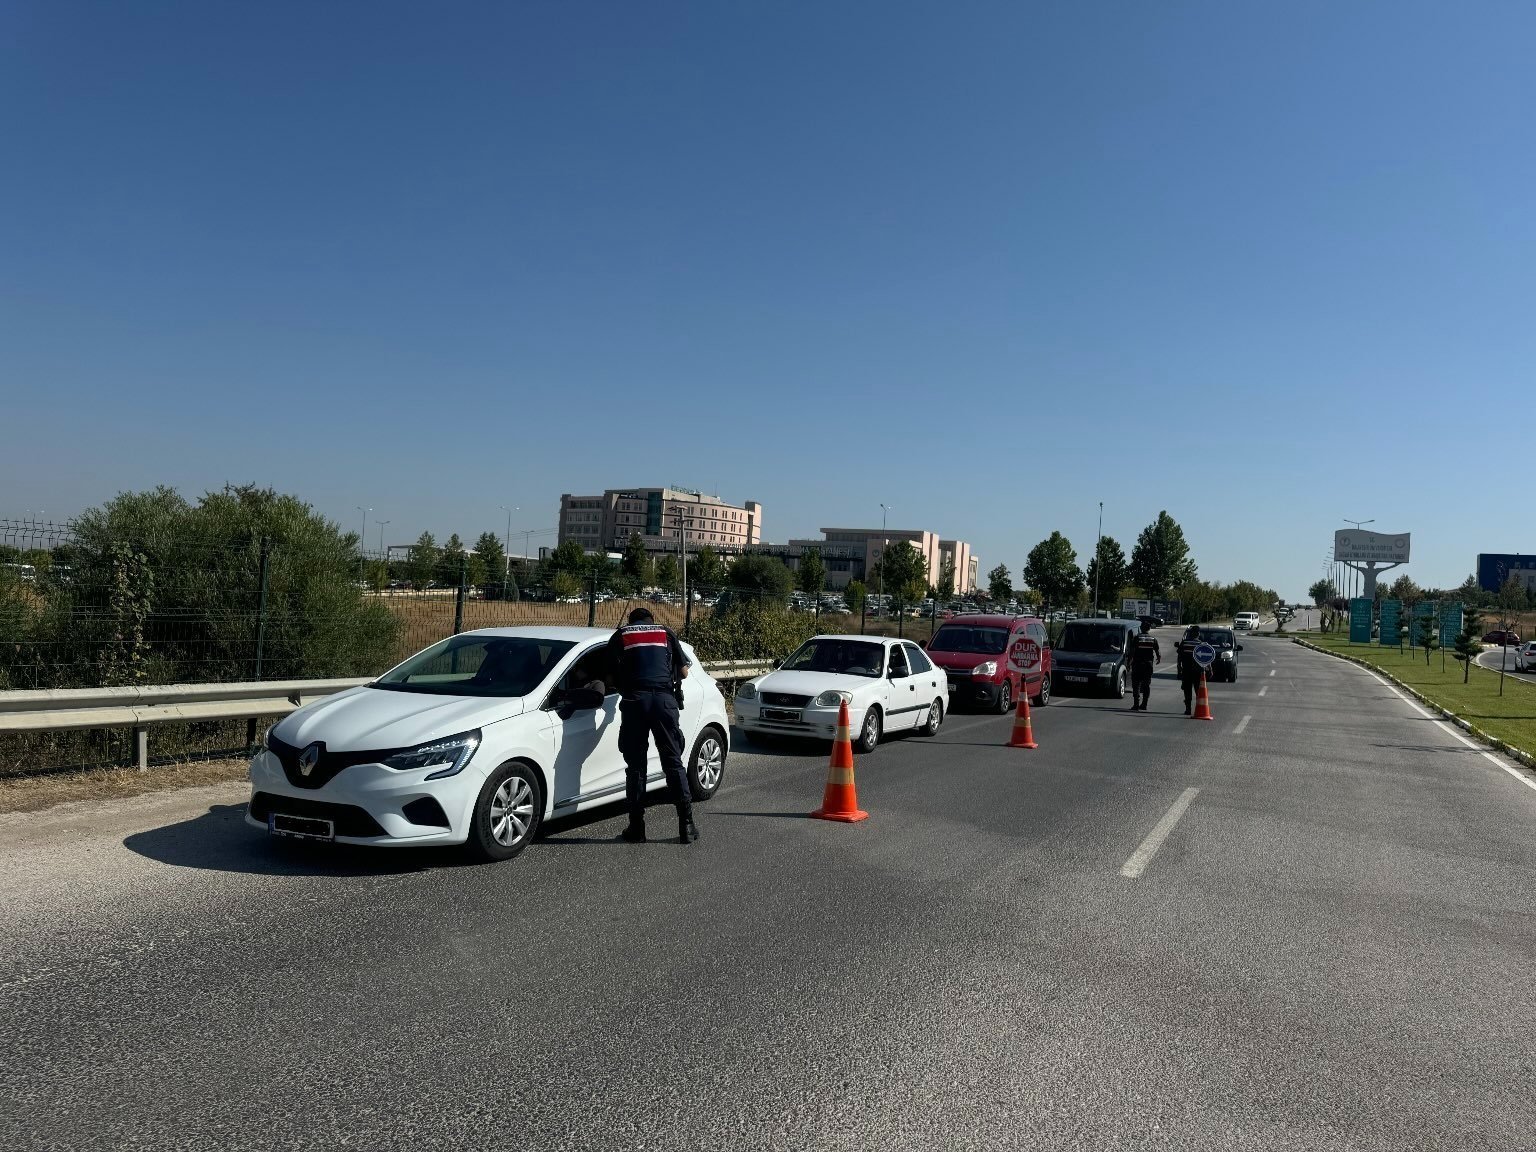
(1144,655)
(1189,667)
(650,666)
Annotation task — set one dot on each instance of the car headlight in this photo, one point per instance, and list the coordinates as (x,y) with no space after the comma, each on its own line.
(1228,655)
(832,698)
(747,691)
(985,668)
(266,737)
(447,756)
(1107,668)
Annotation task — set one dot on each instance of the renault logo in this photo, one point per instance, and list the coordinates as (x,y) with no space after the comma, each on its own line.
(308,759)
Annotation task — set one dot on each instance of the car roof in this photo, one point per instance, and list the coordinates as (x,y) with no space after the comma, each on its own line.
(557,632)
(988,620)
(855,636)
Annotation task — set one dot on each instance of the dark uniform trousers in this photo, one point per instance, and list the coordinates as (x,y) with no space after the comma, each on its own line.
(643,714)
(1141,683)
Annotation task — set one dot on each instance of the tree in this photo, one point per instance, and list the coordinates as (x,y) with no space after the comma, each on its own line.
(1322,592)
(636,565)
(999,583)
(812,573)
(763,577)
(423,561)
(854,596)
(1160,561)
(493,559)
(1284,614)
(705,569)
(1404,589)
(945,590)
(1469,642)
(903,573)
(1051,570)
(1428,630)
(568,557)
(668,575)
(1107,571)
(1512,599)
(452,562)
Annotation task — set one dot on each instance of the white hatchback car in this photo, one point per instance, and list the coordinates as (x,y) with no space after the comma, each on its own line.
(475,740)
(890,686)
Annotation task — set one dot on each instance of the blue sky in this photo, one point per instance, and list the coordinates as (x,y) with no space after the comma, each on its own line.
(1262,266)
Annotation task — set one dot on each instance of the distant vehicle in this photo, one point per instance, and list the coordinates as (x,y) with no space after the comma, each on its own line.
(1246,621)
(476,741)
(1094,655)
(1224,640)
(26,573)
(889,685)
(973,652)
(1501,637)
(1151,621)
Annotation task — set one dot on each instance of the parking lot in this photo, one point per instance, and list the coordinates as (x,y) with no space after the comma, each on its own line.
(1302,925)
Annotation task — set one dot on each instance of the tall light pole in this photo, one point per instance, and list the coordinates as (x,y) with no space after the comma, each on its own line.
(381,524)
(1357,524)
(884,545)
(362,544)
(506,546)
(1098,565)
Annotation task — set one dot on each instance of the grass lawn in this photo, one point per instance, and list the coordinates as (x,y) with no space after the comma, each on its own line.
(1511,717)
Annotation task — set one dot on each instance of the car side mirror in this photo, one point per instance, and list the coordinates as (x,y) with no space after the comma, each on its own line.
(575,700)
(1239,647)
(922,643)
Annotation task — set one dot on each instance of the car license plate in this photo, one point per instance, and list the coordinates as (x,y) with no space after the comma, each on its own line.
(300,827)
(1076,679)
(788,714)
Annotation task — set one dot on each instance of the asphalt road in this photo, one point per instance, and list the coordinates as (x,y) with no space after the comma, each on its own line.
(1492,657)
(1306,925)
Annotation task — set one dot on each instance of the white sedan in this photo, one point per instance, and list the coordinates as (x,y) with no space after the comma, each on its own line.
(475,741)
(889,686)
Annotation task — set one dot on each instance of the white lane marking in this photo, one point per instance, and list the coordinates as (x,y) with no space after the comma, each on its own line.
(1272,671)
(1140,858)
(1449,731)
(1241,724)
(1263,689)
(1405,699)
(1526,780)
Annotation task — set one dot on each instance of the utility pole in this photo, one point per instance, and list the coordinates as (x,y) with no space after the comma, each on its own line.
(682,522)
(1098,563)
(506,546)
(884,546)
(362,544)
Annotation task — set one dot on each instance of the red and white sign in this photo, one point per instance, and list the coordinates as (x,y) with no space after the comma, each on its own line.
(1024,655)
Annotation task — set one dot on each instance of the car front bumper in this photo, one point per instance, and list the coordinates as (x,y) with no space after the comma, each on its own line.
(813,723)
(1090,677)
(366,803)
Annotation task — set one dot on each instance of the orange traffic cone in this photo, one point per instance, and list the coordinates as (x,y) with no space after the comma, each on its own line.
(1202,700)
(840,801)
(1023,732)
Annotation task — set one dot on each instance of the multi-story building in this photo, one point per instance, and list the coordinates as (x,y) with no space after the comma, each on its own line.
(660,515)
(852,553)
(957,554)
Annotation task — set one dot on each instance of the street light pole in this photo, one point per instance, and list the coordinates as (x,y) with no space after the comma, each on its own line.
(1098,563)
(362,542)
(884,546)
(506,546)
(1357,524)
(380,524)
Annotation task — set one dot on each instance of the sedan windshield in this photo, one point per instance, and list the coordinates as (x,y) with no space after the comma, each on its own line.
(472,665)
(1092,638)
(952,638)
(1217,637)
(844,657)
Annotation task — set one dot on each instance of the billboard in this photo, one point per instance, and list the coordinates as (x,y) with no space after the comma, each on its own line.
(1359,546)
(1360,619)
(1391,623)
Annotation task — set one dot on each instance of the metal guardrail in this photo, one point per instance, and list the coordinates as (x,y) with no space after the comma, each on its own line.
(62,709)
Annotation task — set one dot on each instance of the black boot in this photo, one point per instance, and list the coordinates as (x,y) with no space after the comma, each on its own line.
(634,832)
(687,830)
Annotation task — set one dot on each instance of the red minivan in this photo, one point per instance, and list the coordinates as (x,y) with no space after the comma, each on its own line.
(989,660)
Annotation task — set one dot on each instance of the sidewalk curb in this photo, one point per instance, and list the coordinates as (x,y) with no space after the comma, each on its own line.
(1515,754)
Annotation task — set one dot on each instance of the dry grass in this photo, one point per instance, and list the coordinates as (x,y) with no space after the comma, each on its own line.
(32,793)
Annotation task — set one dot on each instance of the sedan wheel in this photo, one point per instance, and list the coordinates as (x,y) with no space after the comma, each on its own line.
(869,735)
(935,718)
(1118,691)
(507,814)
(707,765)
(1005,699)
(1045,691)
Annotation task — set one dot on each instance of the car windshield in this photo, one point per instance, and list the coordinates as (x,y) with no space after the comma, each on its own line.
(472,665)
(1092,638)
(987,641)
(844,657)
(1216,637)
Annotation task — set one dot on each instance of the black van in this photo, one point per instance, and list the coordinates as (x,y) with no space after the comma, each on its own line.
(1094,655)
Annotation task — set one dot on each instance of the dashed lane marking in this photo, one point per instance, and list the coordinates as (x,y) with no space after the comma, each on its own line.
(1140,858)
(1241,724)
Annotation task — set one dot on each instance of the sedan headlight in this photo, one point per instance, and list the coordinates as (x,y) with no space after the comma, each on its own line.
(747,691)
(832,698)
(447,756)
(985,668)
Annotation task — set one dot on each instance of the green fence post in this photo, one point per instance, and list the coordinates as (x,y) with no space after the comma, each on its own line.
(458,596)
(261,603)
(592,602)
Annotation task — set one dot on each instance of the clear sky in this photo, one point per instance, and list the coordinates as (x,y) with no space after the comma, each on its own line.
(1264,266)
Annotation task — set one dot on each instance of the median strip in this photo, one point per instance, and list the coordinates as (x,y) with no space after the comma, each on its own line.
(1140,858)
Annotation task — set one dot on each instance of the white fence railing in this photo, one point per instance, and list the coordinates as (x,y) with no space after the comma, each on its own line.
(62,709)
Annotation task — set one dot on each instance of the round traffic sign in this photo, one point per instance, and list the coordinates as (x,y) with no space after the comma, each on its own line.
(1205,655)
(1024,654)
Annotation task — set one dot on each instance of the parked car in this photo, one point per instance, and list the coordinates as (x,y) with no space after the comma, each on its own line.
(974,653)
(889,685)
(475,741)
(1094,655)
(1524,657)
(1245,621)
(1501,637)
(1224,640)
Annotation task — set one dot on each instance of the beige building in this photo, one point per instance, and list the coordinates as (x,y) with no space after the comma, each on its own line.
(661,516)
(958,554)
(852,553)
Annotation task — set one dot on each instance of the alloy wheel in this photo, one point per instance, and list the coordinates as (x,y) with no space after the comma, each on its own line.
(511,811)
